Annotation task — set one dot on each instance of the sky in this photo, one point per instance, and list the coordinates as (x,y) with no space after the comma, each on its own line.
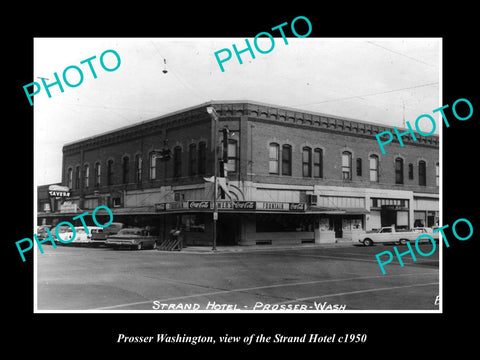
(380,80)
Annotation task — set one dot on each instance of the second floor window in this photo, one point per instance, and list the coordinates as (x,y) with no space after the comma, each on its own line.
(422,173)
(110,172)
(126,169)
(177,161)
(307,162)
(346,165)
(232,155)
(398,171)
(192,157)
(318,163)
(202,158)
(77,177)
(138,168)
(98,174)
(374,168)
(359,167)
(286,160)
(86,176)
(70,178)
(273,159)
(153,166)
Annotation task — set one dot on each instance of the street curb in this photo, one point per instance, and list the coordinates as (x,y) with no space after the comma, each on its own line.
(256,248)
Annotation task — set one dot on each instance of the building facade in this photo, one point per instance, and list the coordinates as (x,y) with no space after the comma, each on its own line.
(286,176)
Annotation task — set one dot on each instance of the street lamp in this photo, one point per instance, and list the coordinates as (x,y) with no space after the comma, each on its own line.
(213,114)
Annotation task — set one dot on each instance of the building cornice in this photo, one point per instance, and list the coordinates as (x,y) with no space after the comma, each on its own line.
(257,111)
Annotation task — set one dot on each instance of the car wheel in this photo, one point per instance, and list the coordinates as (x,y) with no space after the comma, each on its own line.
(368,242)
(139,246)
(403,241)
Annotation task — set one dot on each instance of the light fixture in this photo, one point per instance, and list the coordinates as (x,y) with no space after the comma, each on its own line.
(164,66)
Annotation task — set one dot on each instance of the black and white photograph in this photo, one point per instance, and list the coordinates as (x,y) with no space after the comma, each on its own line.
(214,179)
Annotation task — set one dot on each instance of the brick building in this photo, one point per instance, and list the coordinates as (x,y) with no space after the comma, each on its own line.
(292,176)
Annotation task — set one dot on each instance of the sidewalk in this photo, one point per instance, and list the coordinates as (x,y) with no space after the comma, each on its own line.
(254,248)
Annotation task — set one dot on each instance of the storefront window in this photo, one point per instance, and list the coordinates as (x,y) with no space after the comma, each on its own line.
(193,222)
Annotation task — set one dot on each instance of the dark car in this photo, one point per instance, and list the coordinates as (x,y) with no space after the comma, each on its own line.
(101,235)
(133,238)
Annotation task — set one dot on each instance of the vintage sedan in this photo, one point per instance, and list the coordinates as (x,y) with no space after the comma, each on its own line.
(133,238)
(81,236)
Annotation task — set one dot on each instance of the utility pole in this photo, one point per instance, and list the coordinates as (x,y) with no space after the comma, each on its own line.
(213,114)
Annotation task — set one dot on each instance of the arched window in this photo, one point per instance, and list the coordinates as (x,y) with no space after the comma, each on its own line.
(86,176)
(232,155)
(202,158)
(318,163)
(98,174)
(374,168)
(110,172)
(192,159)
(70,178)
(398,171)
(286,160)
(77,177)
(422,173)
(346,165)
(125,169)
(138,168)
(153,166)
(273,159)
(306,162)
(177,161)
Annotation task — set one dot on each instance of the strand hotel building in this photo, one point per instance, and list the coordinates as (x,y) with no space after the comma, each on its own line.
(290,176)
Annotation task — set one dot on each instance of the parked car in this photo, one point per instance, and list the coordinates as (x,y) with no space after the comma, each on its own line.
(388,234)
(101,235)
(42,231)
(81,236)
(133,238)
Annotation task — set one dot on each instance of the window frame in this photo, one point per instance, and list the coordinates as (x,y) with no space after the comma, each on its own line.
(110,164)
(177,161)
(286,162)
(318,164)
(152,166)
(86,176)
(274,160)
(307,163)
(125,169)
(374,170)
(202,158)
(138,168)
(192,159)
(422,173)
(348,167)
(98,174)
(399,172)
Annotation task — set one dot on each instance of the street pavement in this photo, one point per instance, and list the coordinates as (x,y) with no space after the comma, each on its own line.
(244,279)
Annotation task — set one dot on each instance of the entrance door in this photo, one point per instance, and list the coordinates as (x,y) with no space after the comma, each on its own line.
(337,226)
(227,229)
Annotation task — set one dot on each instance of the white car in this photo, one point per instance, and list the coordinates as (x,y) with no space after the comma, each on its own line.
(81,236)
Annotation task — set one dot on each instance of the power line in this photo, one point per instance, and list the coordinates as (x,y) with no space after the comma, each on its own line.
(401,54)
(371,94)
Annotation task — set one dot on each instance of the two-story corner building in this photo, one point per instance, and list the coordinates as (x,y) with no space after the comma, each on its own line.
(292,176)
